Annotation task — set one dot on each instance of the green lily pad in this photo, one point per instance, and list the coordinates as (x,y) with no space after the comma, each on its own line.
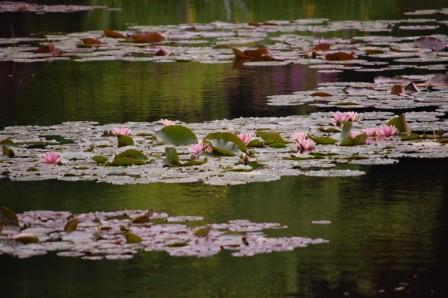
(329,129)
(124,141)
(202,232)
(172,159)
(60,139)
(226,143)
(271,138)
(400,124)
(100,159)
(8,217)
(177,135)
(356,141)
(323,140)
(255,143)
(129,157)
(131,237)
(411,137)
(71,225)
(345,130)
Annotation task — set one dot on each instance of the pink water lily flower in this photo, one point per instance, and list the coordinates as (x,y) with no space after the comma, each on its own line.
(121,131)
(299,136)
(304,144)
(51,157)
(166,122)
(245,137)
(387,131)
(196,150)
(371,132)
(339,117)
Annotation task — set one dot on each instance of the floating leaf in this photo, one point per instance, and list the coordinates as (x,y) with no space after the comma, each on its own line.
(71,225)
(329,129)
(177,135)
(25,238)
(323,46)
(8,217)
(431,43)
(226,143)
(113,34)
(129,157)
(256,54)
(358,140)
(147,37)
(100,159)
(397,90)
(131,237)
(202,232)
(400,123)
(60,139)
(323,140)
(124,141)
(320,94)
(339,56)
(91,42)
(271,138)
(143,218)
(255,143)
(178,244)
(411,137)
(171,157)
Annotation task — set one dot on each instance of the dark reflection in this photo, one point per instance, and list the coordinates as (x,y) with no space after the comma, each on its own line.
(386,235)
(50,93)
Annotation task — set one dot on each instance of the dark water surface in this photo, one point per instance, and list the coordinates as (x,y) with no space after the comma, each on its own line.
(389,227)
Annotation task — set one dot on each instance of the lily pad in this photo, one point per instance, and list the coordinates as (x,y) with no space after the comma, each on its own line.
(400,123)
(323,140)
(129,157)
(271,138)
(177,135)
(25,238)
(226,143)
(100,159)
(124,141)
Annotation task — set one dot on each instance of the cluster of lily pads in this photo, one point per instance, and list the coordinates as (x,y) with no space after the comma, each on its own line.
(253,43)
(221,152)
(121,235)
(406,92)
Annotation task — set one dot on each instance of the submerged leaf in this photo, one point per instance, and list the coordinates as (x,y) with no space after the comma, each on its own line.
(177,135)
(271,138)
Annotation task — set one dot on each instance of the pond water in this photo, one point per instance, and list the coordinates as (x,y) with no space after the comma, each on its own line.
(388,228)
